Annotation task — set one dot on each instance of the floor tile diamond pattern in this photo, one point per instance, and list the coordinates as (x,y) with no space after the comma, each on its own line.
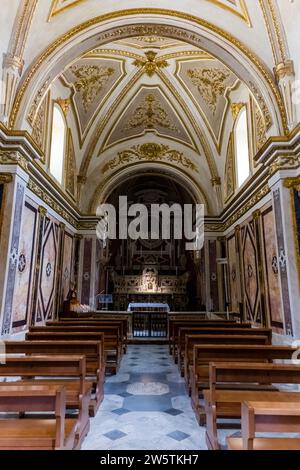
(159,419)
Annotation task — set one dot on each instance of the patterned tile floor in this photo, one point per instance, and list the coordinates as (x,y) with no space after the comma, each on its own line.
(145,407)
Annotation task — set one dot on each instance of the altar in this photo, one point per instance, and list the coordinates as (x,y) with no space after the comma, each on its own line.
(148,307)
(151,289)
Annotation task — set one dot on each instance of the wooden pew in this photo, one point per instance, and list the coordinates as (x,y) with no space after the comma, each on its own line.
(187,331)
(205,354)
(121,322)
(36,433)
(112,339)
(257,416)
(244,382)
(174,327)
(52,372)
(92,350)
(194,340)
(186,319)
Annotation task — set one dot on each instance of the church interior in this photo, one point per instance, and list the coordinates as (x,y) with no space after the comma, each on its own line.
(191,103)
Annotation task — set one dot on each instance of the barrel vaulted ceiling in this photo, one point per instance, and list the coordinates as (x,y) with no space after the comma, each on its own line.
(166,97)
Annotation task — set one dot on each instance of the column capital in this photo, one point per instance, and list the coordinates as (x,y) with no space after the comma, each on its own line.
(284,69)
(256,214)
(292,183)
(42,211)
(5,178)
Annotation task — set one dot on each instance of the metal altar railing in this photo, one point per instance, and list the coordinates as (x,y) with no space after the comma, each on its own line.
(149,324)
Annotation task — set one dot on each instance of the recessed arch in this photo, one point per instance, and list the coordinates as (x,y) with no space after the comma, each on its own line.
(106,187)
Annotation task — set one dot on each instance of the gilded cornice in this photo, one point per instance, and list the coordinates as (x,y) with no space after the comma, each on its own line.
(12,157)
(142,30)
(247,206)
(44,195)
(22,139)
(288,146)
(284,162)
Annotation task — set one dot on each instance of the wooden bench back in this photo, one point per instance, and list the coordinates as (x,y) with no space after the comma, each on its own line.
(257,373)
(37,399)
(92,350)
(203,354)
(112,336)
(108,330)
(187,331)
(187,354)
(45,366)
(195,340)
(176,325)
(112,347)
(94,321)
(14,398)
(181,322)
(275,417)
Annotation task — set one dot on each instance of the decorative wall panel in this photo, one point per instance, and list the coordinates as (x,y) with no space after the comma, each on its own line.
(48,271)
(271,267)
(86,272)
(25,265)
(296,210)
(282,262)
(66,266)
(213,269)
(1,202)
(232,256)
(13,259)
(202,273)
(252,297)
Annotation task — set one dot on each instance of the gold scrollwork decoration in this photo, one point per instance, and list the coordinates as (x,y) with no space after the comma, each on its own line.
(150,64)
(150,152)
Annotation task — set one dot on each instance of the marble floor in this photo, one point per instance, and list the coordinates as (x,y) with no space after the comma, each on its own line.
(145,407)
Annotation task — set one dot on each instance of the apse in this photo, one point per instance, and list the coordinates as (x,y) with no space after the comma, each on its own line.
(153,269)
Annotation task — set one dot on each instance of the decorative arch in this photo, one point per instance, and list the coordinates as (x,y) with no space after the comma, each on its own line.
(106,187)
(123,24)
